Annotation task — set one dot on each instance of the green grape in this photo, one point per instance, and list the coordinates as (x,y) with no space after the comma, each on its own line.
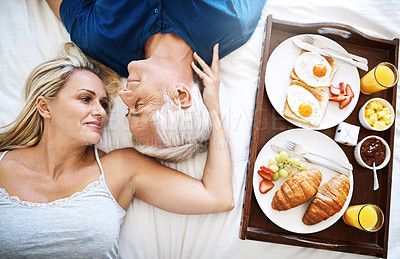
(274,168)
(287,168)
(272,161)
(283,173)
(278,158)
(290,160)
(303,167)
(296,162)
(284,156)
(275,176)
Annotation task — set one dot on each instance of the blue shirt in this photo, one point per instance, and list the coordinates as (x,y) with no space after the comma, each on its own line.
(115,32)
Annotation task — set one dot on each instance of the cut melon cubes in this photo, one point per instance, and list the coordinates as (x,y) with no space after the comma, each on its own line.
(377,115)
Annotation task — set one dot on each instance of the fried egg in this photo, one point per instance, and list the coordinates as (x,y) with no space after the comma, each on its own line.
(313,69)
(304,104)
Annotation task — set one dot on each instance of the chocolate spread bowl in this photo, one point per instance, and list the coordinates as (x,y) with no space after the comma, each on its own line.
(372,149)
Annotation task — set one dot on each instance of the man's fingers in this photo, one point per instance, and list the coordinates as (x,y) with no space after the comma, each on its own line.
(198,71)
(215,60)
(203,64)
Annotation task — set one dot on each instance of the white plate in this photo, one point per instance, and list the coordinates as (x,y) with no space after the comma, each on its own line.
(277,80)
(291,220)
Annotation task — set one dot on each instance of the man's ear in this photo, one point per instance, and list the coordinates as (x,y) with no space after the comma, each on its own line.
(182,96)
(41,104)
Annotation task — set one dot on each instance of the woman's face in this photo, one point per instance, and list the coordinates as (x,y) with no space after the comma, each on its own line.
(79,110)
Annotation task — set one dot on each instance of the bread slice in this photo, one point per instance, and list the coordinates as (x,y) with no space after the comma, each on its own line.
(331,62)
(319,93)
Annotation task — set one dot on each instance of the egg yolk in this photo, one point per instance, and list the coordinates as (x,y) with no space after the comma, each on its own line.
(305,110)
(319,70)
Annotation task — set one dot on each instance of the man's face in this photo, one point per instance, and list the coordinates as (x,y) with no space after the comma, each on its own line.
(144,95)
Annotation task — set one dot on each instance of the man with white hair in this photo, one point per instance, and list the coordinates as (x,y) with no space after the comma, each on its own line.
(155,41)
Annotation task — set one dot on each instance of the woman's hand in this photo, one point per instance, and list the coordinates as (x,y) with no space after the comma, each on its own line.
(210,79)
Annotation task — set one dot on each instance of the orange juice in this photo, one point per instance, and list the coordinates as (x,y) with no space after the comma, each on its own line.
(367,217)
(383,76)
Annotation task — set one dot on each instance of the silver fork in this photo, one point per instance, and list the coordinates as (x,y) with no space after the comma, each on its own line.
(319,44)
(299,149)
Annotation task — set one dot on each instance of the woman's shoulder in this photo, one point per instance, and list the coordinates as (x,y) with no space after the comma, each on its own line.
(126,157)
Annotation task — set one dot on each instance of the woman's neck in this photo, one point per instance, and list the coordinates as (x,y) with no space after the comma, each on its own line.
(56,158)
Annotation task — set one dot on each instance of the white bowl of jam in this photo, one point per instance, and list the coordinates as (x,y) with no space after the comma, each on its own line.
(372,149)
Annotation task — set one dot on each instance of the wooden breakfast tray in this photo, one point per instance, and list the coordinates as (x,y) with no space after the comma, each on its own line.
(267,123)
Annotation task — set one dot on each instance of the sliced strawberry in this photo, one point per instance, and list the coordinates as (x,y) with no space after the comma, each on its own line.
(339,98)
(265,186)
(345,102)
(349,91)
(334,90)
(342,87)
(265,173)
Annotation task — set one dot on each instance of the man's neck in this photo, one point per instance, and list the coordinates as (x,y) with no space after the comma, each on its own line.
(167,46)
(172,50)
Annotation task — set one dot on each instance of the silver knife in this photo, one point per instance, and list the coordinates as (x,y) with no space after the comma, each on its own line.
(277,148)
(309,47)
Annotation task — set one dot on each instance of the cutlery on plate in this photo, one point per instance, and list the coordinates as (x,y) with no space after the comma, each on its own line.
(310,47)
(311,160)
(302,151)
(319,44)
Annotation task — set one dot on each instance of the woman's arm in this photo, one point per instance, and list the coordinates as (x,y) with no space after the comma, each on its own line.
(174,191)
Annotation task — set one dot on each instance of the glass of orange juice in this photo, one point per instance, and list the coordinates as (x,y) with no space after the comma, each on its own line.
(368,217)
(383,76)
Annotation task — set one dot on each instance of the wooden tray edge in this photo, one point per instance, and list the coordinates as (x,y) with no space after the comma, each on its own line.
(250,233)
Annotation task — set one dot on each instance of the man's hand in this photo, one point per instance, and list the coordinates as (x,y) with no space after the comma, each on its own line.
(210,79)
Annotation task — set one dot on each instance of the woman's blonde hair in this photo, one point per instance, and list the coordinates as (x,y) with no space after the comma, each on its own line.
(46,80)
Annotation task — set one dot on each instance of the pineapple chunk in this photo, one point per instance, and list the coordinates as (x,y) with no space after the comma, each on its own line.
(373,105)
(379,124)
(380,106)
(388,118)
(386,110)
(373,117)
(369,121)
(381,114)
(368,112)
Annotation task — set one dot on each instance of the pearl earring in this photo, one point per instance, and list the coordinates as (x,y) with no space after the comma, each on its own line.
(48,116)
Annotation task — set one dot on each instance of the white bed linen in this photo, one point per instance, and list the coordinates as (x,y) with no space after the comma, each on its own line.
(30,34)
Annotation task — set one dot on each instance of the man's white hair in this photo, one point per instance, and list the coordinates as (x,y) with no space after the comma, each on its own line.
(184,132)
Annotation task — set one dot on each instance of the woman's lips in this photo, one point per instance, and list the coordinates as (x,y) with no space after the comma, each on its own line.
(94,124)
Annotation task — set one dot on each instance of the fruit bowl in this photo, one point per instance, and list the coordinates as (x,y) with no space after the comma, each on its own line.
(376,114)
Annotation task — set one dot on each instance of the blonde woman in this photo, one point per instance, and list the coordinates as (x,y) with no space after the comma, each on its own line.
(60,196)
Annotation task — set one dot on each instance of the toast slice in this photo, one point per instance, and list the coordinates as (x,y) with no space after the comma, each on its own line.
(334,65)
(319,94)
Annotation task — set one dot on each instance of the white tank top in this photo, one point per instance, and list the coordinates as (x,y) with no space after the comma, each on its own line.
(84,225)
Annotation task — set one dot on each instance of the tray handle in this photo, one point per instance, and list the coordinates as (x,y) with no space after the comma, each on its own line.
(340,32)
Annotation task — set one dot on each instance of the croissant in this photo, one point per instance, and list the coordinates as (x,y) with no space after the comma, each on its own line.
(297,189)
(328,201)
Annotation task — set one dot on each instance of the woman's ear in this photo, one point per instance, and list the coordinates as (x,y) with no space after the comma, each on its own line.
(182,96)
(41,104)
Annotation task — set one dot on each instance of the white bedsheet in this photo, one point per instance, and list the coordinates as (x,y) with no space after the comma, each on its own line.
(30,34)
